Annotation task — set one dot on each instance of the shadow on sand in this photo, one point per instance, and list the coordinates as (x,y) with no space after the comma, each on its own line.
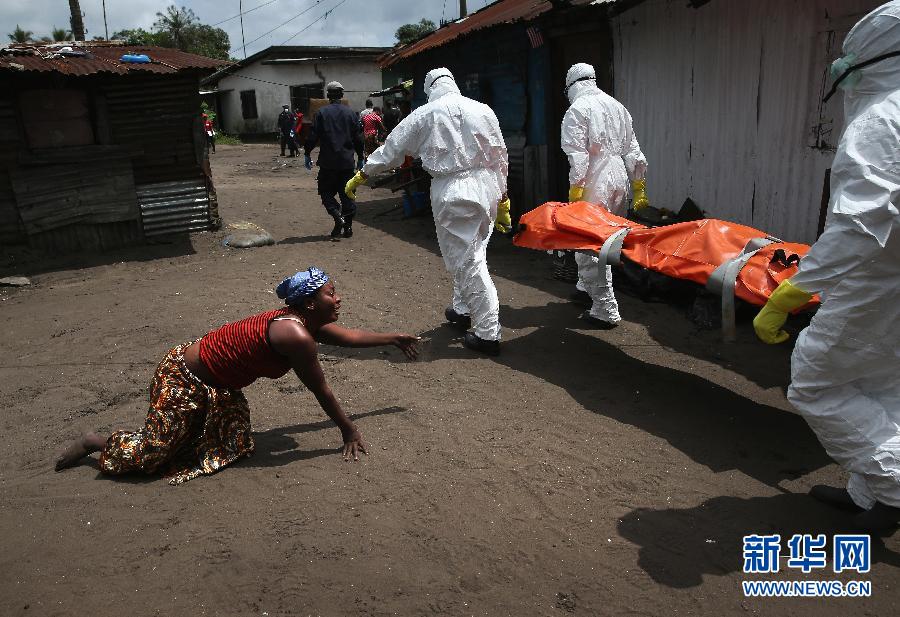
(677,547)
(766,365)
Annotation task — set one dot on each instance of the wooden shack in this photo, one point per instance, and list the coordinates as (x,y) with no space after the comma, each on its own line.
(97,152)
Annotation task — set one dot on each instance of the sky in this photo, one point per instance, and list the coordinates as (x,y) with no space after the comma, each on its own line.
(351,23)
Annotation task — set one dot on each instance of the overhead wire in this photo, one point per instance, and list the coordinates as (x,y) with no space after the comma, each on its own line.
(282,24)
(244,12)
(321,17)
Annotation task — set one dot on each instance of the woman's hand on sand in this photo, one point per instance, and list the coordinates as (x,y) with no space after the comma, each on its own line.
(408,344)
(353,445)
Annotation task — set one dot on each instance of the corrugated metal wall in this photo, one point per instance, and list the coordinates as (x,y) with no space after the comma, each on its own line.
(168,207)
(725,104)
(156,115)
(159,117)
(11,230)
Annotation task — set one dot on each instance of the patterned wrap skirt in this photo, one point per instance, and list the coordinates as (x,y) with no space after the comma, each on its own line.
(191,429)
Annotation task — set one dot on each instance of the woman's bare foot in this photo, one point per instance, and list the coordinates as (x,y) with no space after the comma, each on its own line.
(78,449)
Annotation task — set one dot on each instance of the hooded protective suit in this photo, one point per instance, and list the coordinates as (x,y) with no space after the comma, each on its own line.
(461,146)
(845,368)
(603,152)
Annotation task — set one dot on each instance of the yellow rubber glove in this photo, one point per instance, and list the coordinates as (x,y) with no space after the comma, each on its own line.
(772,316)
(640,201)
(576,193)
(503,224)
(354,182)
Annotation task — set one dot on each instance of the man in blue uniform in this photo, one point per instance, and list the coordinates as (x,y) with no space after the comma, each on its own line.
(335,129)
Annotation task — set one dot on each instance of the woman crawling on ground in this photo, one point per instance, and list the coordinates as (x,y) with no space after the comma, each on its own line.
(199,420)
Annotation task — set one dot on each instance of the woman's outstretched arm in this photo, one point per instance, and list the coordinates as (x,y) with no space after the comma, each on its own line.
(333,334)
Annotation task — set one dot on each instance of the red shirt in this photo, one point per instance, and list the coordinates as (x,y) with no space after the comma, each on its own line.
(298,122)
(370,123)
(239,353)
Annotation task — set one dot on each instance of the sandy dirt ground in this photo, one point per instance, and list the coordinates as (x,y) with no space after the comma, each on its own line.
(581,472)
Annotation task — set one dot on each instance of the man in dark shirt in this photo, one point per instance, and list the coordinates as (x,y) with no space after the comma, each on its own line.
(391,115)
(286,127)
(335,129)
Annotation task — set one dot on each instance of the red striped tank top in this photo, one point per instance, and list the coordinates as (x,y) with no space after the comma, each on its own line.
(239,353)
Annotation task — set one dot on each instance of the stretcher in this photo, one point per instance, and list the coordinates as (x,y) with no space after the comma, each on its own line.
(731,260)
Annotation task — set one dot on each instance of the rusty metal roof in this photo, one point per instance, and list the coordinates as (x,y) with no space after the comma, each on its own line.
(100,58)
(500,12)
(503,12)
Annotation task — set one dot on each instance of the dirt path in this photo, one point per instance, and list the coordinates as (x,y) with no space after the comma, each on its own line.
(583,472)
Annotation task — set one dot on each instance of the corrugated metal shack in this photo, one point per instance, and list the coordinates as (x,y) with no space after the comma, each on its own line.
(725,94)
(97,153)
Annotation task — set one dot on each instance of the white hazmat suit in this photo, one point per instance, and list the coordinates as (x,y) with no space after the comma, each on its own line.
(603,153)
(461,146)
(845,368)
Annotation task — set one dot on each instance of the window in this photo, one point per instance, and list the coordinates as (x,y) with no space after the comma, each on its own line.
(56,118)
(248,104)
(301,94)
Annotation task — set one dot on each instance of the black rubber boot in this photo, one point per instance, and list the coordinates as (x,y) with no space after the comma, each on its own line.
(834,497)
(460,321)
(348,226)
(476,343)
(881,520)
(338,227)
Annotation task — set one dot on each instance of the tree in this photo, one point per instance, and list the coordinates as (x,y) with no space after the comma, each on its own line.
(407,33)
(139,36)
(75,20)
(208,41)
(20,36)
(181,29)
(58,35)
(176,23)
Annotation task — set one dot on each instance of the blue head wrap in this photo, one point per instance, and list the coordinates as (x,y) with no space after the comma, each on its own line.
(302,285)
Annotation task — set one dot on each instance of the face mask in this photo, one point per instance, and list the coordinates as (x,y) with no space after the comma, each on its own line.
(846,74)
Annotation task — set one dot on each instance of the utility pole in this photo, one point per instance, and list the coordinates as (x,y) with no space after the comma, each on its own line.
(462,9)
(105,27)
(241,13)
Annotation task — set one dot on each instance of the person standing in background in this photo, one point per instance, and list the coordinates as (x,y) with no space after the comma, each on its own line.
(298,127)
(391,116)
(365,112)
(210,133)
(372,128)
(286,129)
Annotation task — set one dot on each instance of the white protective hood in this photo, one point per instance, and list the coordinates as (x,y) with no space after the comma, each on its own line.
(875,34)
(581,79)
(439,82)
